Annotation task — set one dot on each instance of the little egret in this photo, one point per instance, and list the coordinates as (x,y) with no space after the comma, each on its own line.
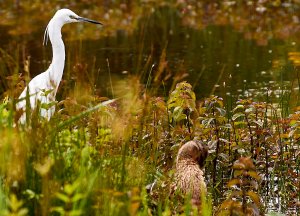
(43,87)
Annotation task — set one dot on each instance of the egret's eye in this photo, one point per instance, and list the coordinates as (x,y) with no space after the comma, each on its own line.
(73,17)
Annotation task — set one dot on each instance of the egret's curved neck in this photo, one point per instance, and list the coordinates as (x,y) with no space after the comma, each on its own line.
(58,48)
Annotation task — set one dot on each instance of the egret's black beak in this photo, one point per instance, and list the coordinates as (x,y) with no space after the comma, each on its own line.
(82,19)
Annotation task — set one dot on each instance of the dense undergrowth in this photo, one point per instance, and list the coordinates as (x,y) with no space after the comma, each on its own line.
(98,162)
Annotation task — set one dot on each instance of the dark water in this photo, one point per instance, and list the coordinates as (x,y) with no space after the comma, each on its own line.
(214,60)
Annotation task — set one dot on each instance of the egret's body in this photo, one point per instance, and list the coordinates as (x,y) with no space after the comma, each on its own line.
(42,88)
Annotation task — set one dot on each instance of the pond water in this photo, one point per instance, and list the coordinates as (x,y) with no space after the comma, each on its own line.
(215,60)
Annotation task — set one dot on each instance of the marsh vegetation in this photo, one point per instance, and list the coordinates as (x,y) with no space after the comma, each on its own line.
(223,72)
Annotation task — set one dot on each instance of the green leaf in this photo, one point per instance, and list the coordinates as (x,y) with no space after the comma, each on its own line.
(210,120)
(63,197)
(22,212)
(178,114)
(77,197)
(31,194)
(240,123)
(240,106)
(221,111)
(249,110)
(14,203)
(76,212)
(70,188)
(46,92)
(58,209)
(237,115)
(48,105)
(227,126)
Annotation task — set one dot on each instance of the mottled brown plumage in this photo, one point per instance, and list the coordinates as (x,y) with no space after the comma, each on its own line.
(189,177)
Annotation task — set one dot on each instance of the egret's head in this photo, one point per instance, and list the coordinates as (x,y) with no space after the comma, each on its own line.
(68,16)
(61,17)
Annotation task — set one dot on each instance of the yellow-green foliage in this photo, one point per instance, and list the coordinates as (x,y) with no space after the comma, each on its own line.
(100,160)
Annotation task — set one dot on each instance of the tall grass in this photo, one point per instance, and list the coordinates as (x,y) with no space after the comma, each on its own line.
(98,161)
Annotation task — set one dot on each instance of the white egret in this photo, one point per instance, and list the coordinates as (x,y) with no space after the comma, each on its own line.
(42,88)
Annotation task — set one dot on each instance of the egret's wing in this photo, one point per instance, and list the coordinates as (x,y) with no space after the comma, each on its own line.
(34,90)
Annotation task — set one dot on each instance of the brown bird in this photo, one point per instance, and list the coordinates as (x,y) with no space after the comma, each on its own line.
(189,176)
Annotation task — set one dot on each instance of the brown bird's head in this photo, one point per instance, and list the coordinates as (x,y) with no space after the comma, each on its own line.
(193,150)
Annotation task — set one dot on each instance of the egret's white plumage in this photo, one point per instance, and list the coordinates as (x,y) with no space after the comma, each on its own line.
(42,88)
